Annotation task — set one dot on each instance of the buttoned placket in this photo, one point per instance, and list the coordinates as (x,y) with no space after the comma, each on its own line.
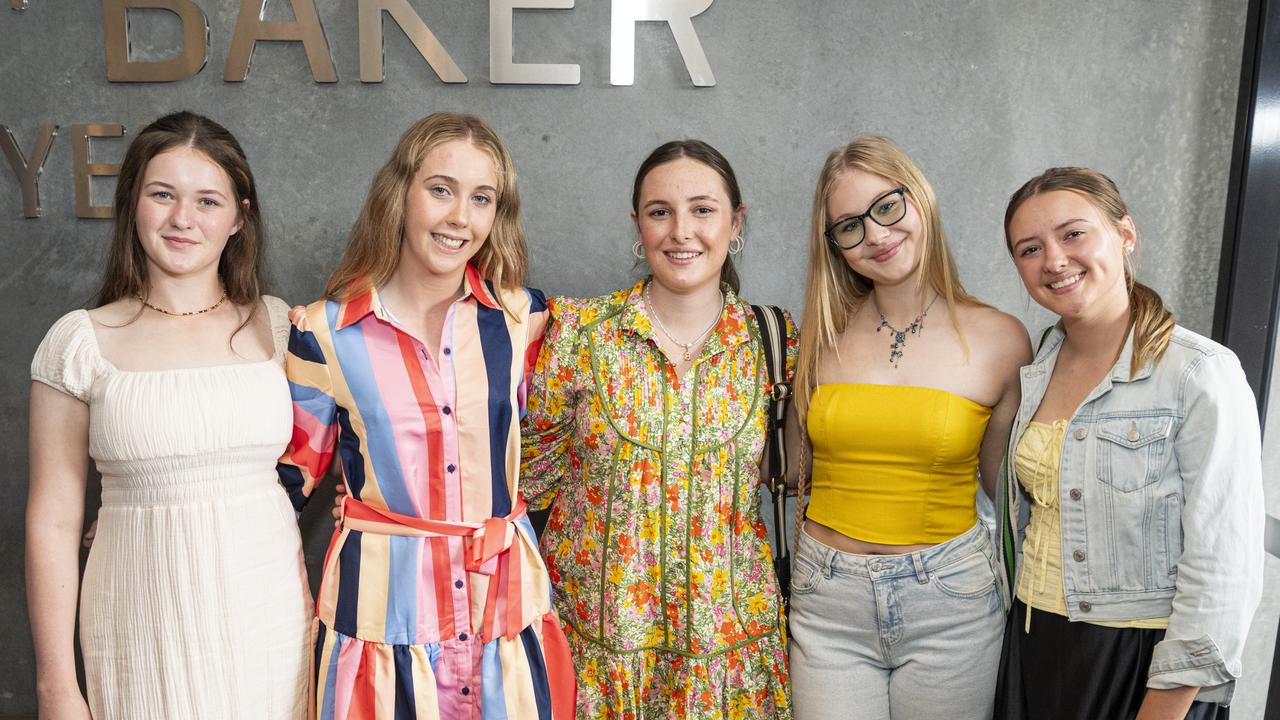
(678,453)
(440,376)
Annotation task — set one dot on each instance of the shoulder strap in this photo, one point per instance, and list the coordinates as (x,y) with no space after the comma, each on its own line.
(773,325)
(1044,337)
(772,333)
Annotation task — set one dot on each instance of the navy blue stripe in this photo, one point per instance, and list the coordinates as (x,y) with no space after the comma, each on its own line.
(495,343)
(292,480)
(537,672)
(349,451)
(305,346)
(404,683)
(344,615)
(537,301)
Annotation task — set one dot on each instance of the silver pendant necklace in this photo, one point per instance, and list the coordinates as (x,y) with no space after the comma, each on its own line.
(900,336)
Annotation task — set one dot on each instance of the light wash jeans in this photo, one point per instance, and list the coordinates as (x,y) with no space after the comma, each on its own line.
(907,637)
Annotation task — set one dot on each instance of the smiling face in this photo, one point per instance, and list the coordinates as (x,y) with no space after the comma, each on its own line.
(887,255)
(186,211)
(686,220)
(1070,255)
(449,210)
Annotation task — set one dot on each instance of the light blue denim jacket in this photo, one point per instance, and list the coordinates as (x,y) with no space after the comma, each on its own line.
(1161,501)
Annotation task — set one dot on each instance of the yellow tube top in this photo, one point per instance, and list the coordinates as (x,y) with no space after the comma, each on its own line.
(894,464)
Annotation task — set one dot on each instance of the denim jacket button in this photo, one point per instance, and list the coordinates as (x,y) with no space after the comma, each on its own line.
(1078,556)
(1081,433)
(1085,606)
(1076,494)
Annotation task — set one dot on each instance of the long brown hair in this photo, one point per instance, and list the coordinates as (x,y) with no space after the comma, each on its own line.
(712,158)
(1149,320)
(242,266)
(373,251)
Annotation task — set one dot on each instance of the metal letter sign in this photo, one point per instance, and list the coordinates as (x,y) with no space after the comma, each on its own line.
(502,65)
(370,19)
(304,28)
(195,42)
(86,169)
(676,13)
(28,172)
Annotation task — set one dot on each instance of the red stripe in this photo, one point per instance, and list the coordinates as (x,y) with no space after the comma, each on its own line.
(441,561)
(511,586)
(560,680)
(306,457)
(430,423)
(356,308)
(478,288)
(363,692)
(531,357)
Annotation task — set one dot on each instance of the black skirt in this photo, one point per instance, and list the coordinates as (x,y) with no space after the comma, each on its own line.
(1067,670)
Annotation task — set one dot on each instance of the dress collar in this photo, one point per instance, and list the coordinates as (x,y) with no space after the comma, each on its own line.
(359,306)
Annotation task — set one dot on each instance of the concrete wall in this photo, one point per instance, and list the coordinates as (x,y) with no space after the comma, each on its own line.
(983,93)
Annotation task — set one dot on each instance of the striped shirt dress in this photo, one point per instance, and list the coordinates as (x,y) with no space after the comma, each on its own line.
(435,602)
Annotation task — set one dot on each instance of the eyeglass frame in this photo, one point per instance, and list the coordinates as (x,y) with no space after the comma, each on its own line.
(900,190)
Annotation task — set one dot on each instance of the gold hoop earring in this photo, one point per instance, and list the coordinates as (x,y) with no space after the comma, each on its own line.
(638,250)
(736,244)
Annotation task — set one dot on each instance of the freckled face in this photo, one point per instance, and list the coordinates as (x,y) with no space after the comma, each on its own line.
(187,210)
(1070,256)
(449,209)
(686,221)
(887,255)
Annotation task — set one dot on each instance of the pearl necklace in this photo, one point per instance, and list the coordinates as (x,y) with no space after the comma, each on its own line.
(687,347)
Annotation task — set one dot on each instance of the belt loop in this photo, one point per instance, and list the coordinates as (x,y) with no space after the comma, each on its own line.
(918,562)
(830,562)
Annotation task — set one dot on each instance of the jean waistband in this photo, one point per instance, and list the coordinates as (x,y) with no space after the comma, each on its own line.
(974,540)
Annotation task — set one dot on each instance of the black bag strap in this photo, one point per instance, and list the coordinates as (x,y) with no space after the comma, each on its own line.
(773,323)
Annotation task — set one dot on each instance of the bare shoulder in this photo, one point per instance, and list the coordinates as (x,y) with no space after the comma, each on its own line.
(998,335)
(115,314)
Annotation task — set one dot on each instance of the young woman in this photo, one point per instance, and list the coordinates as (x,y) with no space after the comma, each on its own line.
(646,419)
(434,602)
(1134,506)
(194,600)
(906,387)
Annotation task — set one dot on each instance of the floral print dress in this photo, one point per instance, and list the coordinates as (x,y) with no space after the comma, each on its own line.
(661,568)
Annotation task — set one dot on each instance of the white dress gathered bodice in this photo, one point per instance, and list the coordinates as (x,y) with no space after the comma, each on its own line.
(194,602)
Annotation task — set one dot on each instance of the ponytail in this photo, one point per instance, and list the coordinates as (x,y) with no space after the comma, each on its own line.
(1151,324)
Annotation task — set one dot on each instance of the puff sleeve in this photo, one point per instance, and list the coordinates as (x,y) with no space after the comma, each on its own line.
(67,359)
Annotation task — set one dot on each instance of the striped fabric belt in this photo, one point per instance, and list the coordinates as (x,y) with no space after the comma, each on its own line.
(487,539)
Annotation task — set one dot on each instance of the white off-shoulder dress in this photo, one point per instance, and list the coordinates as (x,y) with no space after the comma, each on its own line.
(194,603)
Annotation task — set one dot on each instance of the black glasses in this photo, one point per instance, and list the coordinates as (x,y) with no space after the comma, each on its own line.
(886,210)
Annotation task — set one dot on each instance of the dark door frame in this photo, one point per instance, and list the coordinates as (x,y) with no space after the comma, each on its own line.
(1249,276)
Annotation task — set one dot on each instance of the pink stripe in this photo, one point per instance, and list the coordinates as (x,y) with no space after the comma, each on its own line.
(445,391)
(348,665)
(397,395)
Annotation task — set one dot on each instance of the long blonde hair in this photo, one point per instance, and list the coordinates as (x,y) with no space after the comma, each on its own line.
(373,251)
(1149,320)
(835,291)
